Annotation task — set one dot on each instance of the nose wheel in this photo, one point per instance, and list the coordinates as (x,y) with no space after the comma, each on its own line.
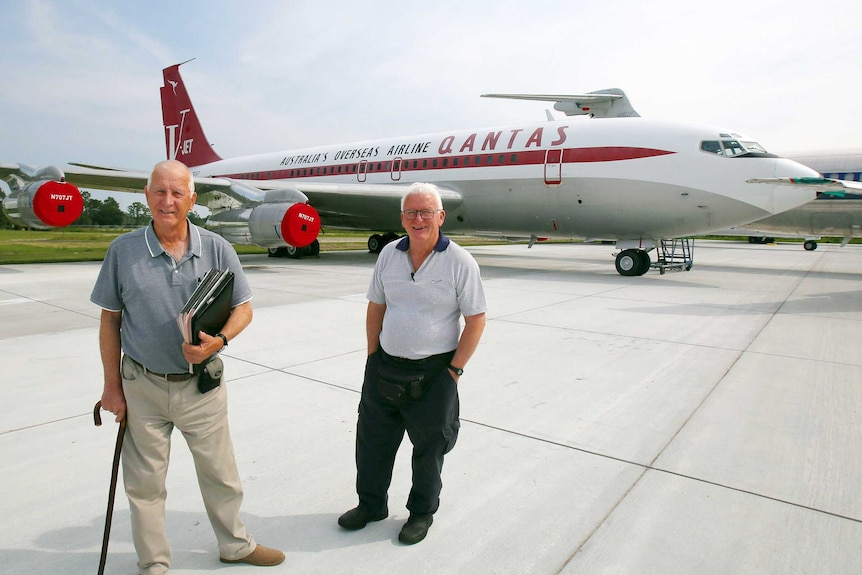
(632,262)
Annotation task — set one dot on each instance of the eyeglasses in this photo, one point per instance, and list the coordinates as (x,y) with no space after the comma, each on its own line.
(424,214)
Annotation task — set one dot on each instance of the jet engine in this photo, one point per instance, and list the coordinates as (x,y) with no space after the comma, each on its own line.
(48,201)
(274,225)
(283,219)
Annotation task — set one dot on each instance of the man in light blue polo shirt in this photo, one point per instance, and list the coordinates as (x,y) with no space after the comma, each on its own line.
(145,280)
(421,287)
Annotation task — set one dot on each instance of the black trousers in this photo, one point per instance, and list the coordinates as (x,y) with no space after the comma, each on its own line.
(430,420)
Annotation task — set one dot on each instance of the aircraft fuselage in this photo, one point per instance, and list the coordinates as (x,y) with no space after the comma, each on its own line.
(603,179)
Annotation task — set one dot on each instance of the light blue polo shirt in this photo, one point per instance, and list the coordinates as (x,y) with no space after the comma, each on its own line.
(141,279)
(423,309)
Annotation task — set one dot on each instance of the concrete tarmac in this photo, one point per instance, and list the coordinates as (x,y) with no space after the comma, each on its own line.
(701,422)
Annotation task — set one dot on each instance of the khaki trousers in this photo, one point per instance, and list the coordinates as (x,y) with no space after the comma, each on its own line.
(154,408)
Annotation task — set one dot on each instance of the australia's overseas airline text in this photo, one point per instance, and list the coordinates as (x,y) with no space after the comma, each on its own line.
(453,144)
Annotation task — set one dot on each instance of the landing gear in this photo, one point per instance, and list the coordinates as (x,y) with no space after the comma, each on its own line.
(810,245)
(377,241)
(632,262)
(294,252)
(673,254)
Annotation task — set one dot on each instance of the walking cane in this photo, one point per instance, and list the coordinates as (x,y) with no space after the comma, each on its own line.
(114,472)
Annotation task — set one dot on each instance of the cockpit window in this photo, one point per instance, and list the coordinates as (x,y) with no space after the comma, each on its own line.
(754,147)
(711,146)
(734,148)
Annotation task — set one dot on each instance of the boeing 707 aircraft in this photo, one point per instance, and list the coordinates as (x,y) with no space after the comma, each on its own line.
(616,176)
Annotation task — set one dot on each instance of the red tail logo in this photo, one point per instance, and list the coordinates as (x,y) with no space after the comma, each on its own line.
(184,136)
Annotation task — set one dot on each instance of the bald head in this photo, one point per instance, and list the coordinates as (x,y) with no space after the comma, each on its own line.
(170,196)
(174,168)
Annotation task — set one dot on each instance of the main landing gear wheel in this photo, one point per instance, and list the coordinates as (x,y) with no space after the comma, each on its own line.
(294,252)
(632,262)
(311,249)
(375,243)
(378,241)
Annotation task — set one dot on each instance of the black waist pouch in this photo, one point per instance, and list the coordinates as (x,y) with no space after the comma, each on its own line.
(396,384)
(209,374)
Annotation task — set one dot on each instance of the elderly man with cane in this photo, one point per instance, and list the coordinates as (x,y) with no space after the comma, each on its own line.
(145,280)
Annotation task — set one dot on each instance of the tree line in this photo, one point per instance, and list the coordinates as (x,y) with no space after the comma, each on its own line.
(107,213)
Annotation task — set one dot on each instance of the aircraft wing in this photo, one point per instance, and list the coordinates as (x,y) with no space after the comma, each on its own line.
(610,103)
(358,205)
(122,180)
(353,205)
(100,178)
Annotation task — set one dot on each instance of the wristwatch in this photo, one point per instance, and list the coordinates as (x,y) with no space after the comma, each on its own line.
(458,370)
(223,339)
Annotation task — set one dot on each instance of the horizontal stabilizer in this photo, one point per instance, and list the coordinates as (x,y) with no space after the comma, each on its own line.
(610,103)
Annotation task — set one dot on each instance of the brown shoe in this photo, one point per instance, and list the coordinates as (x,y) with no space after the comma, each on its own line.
(261,556)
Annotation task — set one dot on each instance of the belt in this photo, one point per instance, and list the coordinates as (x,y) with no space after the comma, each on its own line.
(171,377)
(406,362)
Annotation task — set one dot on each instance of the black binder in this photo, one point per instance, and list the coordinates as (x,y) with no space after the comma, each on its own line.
(213,313)
(208,307)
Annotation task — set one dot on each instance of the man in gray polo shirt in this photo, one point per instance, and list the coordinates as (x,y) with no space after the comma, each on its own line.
(421,287)
(145,280)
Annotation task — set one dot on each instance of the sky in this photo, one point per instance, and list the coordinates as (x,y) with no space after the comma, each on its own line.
(81,78)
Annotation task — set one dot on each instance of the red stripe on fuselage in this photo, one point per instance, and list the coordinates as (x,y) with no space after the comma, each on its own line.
(498,159)
(609,154)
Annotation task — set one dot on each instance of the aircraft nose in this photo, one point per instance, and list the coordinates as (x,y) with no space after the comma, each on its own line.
(786,168)
(787,197)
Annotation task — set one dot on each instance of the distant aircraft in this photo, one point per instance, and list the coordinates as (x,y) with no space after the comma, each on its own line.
(834,213)
(619,177)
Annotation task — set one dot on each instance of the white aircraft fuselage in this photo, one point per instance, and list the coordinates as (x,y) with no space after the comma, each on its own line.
(611,178)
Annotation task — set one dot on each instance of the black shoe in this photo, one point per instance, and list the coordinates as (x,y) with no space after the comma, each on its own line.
(416,528)
(358,517)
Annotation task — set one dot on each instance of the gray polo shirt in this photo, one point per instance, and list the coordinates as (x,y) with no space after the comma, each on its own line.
(423,309)
(139,278)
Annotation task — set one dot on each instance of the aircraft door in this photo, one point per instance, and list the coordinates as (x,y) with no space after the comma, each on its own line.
(363,170)
(396,169)
(553,166)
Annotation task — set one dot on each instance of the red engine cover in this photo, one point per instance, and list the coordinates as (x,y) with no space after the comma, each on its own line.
(300,225)
(58,204)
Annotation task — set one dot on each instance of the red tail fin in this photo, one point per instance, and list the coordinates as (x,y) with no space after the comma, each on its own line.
(184,137)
